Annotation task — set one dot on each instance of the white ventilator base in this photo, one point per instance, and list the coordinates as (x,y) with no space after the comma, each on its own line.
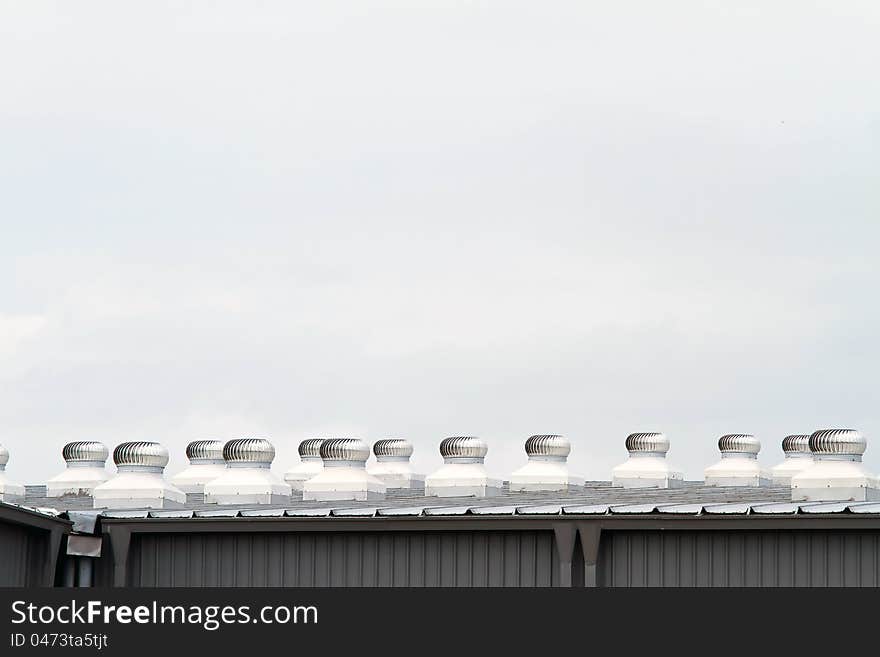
(193,478)
(781,474)
(247,485)
(461,480)
(736,471)
(80,478)
(138,490)
(396,474)
(299,474)
(646,472)
(10,492)
(341,482)
(538,475)
(834,481)
(77,480)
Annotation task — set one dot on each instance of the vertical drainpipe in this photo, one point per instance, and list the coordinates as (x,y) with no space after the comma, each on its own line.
(84,572)
(68,575)
(79,561)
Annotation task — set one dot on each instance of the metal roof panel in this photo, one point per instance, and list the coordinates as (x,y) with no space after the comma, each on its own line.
(542,510)
(586,509)
(218,513)
(492,510)
(734,508)
(402,511)
(633,508)
(262,513)
(309,513)
(825,507)
(357,512)
(690,509)
(172,513)
(864,507)
(776,508)
(126,513)
(447,511)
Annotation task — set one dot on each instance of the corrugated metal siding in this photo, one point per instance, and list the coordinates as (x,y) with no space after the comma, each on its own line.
(21,555)
(522,558)
(739,558)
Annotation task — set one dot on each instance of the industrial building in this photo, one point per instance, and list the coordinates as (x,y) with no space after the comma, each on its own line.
(337,520)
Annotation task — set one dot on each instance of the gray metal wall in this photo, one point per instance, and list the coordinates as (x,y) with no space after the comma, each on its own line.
(460,558)
(22,553)
(739,558)
(645,557)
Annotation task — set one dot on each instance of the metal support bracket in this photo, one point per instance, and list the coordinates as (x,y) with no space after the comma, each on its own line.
(564,535)
(590,535)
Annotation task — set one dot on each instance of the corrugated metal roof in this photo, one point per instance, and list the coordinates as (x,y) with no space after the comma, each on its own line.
(127,513)
(492,510)
(680,508)
(447,511)
(361,512)
(309,513)
(633,508)
(586,509)
(727,508)
(540,510)
(866,507)
(262,513)
(403,511)
(42,510)
(176,513)
(218,513)
(776,509)
(595,498)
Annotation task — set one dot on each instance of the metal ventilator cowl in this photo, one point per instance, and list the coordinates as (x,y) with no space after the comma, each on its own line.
(205,450)
(4,457)
(310,448)
(548,445)
(249,450)
(796,444)
(739,443)
(344,449)
(140,453)
(463,447)
(838,442)
(85,451)
(392,448)
(652,442)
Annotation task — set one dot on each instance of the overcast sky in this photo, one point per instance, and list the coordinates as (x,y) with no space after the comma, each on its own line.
(227,219)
